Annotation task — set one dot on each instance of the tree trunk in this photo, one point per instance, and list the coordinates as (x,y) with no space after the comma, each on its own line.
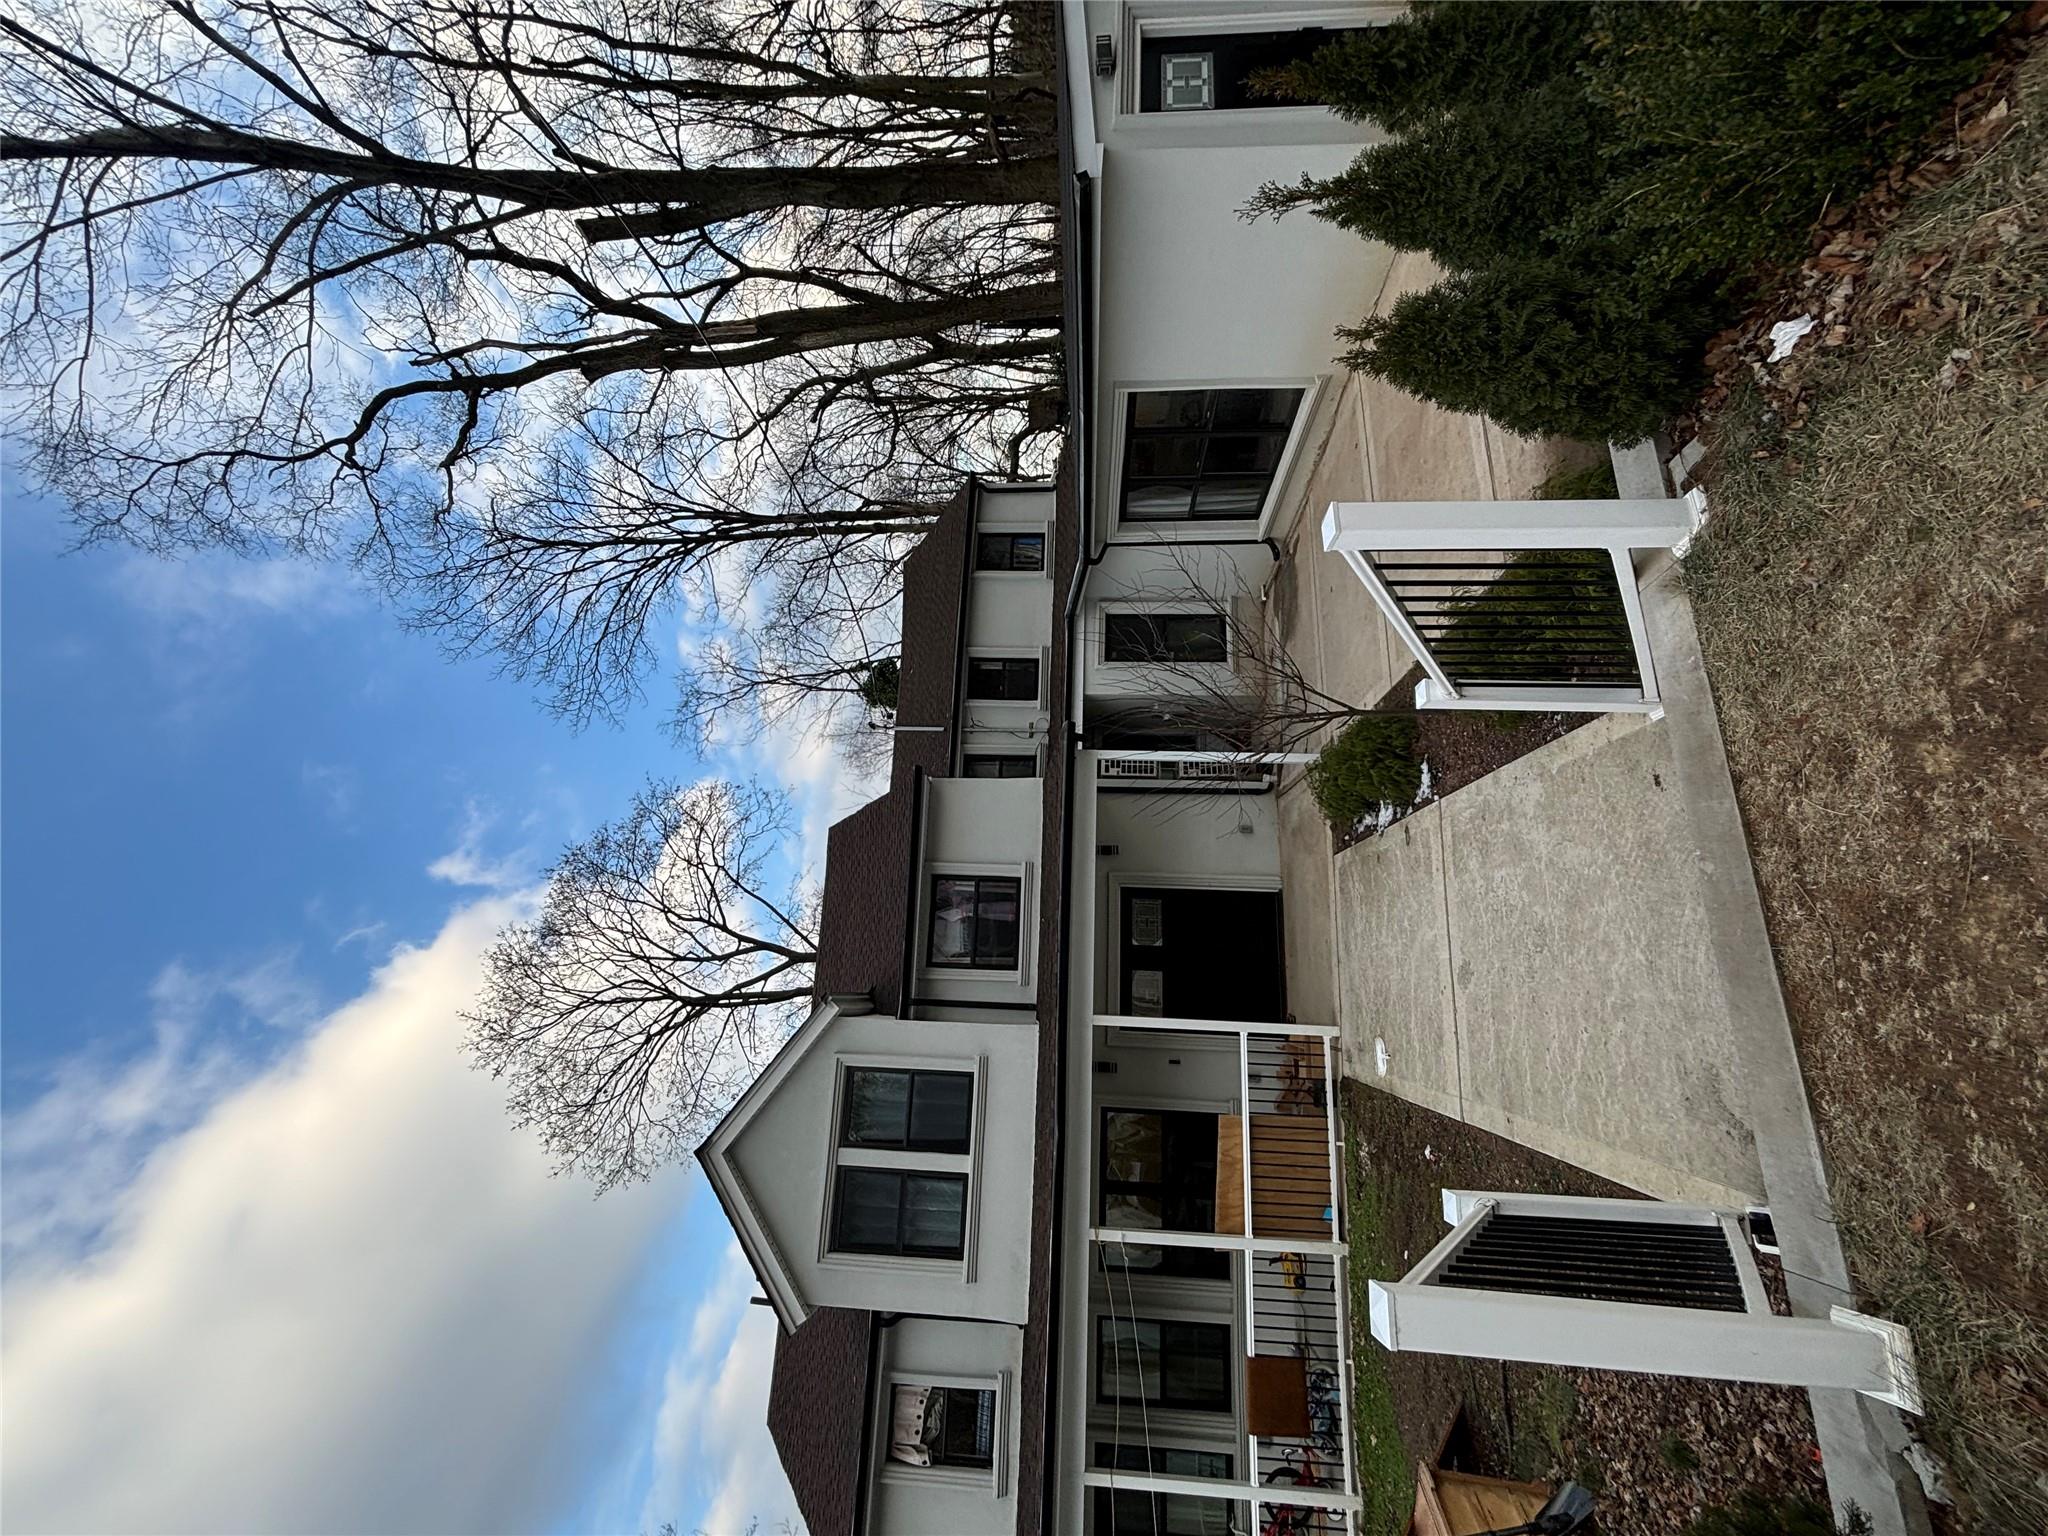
(685,199)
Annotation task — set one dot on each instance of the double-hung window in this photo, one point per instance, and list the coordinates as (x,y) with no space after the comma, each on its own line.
(1012,679)
(1163,1364)
(1203,453)
(906,1111)
(1009,552)
(975,922)
(1165,637)
(900,1185)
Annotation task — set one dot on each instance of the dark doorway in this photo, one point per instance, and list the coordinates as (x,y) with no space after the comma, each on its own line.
(1189,952)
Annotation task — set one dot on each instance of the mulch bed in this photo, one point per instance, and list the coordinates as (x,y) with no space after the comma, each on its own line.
(1656,1450)
(1457,747)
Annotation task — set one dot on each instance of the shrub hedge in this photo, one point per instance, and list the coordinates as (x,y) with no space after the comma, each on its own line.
(1541,345)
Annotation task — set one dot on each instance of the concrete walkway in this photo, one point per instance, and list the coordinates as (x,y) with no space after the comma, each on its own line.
(1533,953)
(1570,952)
(1533,949)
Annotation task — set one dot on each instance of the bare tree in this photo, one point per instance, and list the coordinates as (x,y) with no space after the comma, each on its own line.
(1264,700)
(561,314)
(668,961)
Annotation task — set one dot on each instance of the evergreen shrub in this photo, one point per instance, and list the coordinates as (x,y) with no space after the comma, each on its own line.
(1371,763)
(1607,180)
(879,689)
(1499,179)
(1438,57)
(1542,345)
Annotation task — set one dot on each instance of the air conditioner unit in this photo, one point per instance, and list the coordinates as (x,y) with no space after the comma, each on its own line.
(1105,54)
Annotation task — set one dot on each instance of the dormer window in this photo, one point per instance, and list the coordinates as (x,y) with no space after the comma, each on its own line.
(974,922)
(1009,552)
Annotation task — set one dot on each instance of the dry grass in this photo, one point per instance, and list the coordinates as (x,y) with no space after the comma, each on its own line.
(1873,597)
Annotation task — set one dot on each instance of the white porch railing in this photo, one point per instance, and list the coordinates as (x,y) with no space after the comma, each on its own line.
(1516,604)
(1626,1285)
(1181,773)
(1285,1223)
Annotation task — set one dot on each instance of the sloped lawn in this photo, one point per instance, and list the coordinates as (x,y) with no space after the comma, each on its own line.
(1872,595)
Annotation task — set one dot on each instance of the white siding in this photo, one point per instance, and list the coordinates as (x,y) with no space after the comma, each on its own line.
(931,1501)
(1201,838)
(982,827)
(784,1158)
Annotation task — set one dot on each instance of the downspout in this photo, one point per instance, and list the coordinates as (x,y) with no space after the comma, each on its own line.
(1080,433)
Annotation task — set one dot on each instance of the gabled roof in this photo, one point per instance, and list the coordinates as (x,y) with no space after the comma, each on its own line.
(817,1404)
(729,1184)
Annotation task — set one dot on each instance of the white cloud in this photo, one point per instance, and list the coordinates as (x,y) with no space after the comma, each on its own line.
(711,1444)
(210,589)
(467,863)
(348,1298)
(72,1150)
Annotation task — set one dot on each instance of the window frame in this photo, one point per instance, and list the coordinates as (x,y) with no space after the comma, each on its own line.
(1107,1455)
(902,1176)
(961,1148)
(1107,1398)
(835,1157)
(1107,613)
(1141,25)
(973,966)
(978,1479)
(1009,658)
(1029,760)
(1208,1265)
(1192,527)
(1036,531)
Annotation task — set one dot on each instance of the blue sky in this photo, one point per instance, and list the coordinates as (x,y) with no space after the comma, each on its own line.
(262,1227)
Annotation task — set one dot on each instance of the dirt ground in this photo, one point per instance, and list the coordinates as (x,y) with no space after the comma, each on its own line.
(1872,595)
(1656,1450)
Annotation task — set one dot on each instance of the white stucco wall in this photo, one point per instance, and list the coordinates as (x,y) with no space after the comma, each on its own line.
(783,1156)
(1166,576)
(982,827)
(1190,293)
(925,1501)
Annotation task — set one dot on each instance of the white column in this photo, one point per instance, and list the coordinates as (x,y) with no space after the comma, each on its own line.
(1849,1351)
